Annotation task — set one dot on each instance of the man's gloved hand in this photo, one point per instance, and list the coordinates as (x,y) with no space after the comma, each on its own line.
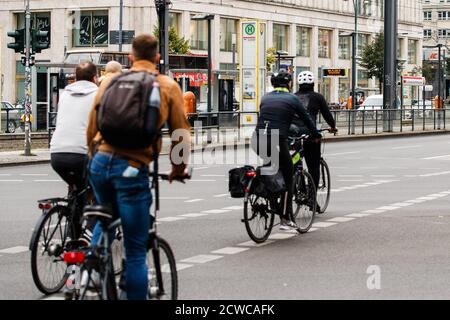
(334,130)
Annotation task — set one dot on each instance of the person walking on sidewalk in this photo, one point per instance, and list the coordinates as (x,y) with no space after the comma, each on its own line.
(68,147)
(120,174)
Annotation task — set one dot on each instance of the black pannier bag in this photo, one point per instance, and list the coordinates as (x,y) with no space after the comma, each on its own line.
(268,186)
(237,181)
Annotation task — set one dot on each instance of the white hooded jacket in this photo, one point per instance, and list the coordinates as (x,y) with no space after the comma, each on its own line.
(74,107)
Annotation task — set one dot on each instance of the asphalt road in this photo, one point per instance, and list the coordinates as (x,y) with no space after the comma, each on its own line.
(386,234)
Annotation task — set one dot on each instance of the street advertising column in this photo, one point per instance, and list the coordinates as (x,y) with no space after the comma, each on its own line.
(253,71)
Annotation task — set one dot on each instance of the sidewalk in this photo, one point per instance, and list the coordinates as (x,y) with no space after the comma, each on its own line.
(42,156)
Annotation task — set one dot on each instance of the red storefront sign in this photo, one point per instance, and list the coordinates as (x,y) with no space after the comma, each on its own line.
(196,79)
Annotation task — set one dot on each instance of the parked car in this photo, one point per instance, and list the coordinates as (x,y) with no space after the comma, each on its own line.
(11,116)
(372,106)
(429,107)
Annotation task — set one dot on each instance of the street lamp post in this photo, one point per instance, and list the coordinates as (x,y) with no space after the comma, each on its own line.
(120,25)
(27,79)
(162,8)
(208,18)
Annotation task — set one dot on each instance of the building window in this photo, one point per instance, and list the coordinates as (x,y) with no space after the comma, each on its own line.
(280,37)
(412,51)
(303,42)
(427,34)
(344,48)
(92,29)
(363,41)
(174,21)
(199,34)
(363,79)
(427,15)
(227,29)
(324,43)
(39,20)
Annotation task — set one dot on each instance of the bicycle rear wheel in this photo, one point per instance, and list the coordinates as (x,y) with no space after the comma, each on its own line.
(304,201)
(48,242)
(324,187)
(168,268)
(257,218)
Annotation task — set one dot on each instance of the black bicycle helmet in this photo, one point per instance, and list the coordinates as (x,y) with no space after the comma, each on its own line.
(281,79)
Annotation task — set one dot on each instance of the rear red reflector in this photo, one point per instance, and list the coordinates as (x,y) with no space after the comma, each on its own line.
(251,174)
(73,257)
(45,206)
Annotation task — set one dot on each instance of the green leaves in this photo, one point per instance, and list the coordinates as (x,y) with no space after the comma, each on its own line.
(372,58)
(177,44)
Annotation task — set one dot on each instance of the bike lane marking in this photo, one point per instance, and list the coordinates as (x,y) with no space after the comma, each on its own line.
(14,250)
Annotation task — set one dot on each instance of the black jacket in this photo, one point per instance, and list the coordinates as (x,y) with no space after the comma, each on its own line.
(314,103)
(278,110)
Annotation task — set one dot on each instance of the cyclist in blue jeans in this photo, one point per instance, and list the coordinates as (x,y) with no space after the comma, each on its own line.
(120,177)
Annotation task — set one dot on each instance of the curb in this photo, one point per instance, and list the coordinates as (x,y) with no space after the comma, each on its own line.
(333,139)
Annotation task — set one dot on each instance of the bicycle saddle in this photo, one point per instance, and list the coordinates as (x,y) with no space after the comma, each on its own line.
(98,211)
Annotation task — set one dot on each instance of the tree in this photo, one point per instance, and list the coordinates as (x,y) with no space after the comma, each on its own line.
(271,58)
(372,59)
(177,44)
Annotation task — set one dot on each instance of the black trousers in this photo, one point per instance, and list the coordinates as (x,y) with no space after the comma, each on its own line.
(313,155)
(72,168)
(280,150)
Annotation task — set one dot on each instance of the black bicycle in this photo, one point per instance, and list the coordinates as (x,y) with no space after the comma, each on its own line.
(55,233)
(97,263)
(260,211)
(324,186)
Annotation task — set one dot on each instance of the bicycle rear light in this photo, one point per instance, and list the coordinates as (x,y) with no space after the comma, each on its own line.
(45,205)
(251,174)
(74,257)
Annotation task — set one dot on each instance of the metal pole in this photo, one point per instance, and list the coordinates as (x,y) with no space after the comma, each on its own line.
(390,58)
(209,80)
(354,67)
(163,18)
(439,85)
(121,26)
(234,40)
(27,79)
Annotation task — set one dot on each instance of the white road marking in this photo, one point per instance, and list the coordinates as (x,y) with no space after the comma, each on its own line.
(383,176)
(402,204)
(34,174)
(194,200)
(215,211)
(201,168)
(388,208)
(358,215)
(435,174)
(202,258)
(193,215)
(174,198)
(350,176)
(233,208)
(11,180)
(416,201)
(5,175)
(427,198)
(406,147)
(355,180)
(340,219)
(14,250)
(343,153)
(198,180)
(255,245)
(48,180)
(323,224)
(375,211)
(54,298)
(230,250)
(437,157)
(223,195)
(170,219)
(182,266)
(281,236)
(313,229)
(213,175)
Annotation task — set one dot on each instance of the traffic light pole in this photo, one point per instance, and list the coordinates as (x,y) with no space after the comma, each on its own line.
(27,79)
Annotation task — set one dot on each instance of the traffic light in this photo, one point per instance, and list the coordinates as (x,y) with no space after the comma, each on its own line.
(19,37)
(39,40)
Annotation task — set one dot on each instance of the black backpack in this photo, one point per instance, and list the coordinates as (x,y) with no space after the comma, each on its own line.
(128,114)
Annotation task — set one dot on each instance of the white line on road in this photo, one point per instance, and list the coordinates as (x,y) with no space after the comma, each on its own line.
(343,153)
(388,208)
(340,219)
(205,180)
(437,157)
(5,175)
(255,245)
(194,200)
(233,208)
(215,211)
(171,219)
(358,215)
(323,224)
(14,250)
(230,250)
(406,147)
(350,176)
(201,168)
(34,174)
(193,215)
(48,180)
(174,198)
(435,174)
(223,195)
(182,266)
(282,236)
(213,175)
(375,211)
(202,258)
(11,180)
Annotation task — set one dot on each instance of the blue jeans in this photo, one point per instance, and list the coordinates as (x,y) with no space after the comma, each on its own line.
(130,199)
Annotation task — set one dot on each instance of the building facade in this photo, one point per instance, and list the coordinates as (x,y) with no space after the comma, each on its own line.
(312,31)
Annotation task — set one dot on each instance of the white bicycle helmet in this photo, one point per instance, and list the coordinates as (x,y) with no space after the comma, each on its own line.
(306,77)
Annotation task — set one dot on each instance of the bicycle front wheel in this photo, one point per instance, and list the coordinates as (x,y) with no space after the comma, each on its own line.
(47,246)
(168,268)
(304,201)
(324,187)
(257,218)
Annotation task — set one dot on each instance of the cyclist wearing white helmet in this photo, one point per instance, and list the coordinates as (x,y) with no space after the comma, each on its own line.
(314,103)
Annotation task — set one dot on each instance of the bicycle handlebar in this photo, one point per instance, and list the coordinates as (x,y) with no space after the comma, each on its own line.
(165,176)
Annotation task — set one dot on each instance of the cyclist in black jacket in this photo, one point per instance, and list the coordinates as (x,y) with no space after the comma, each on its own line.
(277,112)
(314,103)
